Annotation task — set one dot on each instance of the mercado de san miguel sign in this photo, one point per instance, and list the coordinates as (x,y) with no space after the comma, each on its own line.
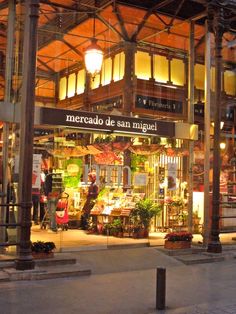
(106,123)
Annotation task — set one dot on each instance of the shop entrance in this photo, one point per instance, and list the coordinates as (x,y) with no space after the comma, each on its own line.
(140,171)
(138,181)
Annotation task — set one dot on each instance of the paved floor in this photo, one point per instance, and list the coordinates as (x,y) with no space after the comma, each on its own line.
(79,239)
(124,281)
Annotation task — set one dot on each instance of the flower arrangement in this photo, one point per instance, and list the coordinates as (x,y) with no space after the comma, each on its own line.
(176,201)
(42,247)
(179,236)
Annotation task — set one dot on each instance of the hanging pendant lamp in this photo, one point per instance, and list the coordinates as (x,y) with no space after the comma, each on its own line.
(93,55)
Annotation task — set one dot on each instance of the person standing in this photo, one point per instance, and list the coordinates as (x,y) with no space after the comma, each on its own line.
(48,182)
(43,197)
(35,201)
(90,201)
(52,198)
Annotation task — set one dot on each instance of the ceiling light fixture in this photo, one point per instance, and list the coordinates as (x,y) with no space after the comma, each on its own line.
(93,55)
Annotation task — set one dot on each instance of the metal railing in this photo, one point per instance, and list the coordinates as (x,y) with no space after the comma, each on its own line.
(9,224)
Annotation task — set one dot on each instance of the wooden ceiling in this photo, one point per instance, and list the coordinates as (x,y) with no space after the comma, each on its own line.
(66,28)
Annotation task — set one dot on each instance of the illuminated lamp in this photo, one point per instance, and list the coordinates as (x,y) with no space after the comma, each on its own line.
(222,145)
(221,124)
(93,57)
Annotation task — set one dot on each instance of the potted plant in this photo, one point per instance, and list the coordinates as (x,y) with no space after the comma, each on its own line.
(178,240)
(142,215)
(117,227)
(107,229)
(41,249)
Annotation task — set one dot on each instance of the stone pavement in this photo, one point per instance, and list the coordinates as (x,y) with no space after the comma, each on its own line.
(191,289)
(124,281)
(216,308)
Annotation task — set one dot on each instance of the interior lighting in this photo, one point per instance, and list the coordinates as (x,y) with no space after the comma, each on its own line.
(222,145)
(93,56)
(221,124)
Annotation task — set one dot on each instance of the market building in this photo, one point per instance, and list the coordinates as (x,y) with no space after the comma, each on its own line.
(151,116)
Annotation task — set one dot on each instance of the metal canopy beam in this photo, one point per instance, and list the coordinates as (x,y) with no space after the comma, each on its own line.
(121,21)
(149,12)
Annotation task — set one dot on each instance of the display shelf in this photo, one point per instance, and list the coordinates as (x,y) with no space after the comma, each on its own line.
(57,182)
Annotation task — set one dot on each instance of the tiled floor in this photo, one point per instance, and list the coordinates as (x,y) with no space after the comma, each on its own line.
(75,239)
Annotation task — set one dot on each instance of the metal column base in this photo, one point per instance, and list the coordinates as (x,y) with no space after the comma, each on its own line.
(24,264)
(214,247)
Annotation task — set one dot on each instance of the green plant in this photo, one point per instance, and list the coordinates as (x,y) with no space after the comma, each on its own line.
(144,211)
(42,247)
(179,236)
(117,225)
(101,139)
(73,179)
(136,160)
(107,229)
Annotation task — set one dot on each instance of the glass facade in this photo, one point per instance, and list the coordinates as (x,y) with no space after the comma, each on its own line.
(146,73)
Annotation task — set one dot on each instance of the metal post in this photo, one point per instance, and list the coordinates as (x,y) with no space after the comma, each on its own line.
(128,96)
(207,122)
(214,246)
(24,260)
(7,98)
(160,288)
(191,120)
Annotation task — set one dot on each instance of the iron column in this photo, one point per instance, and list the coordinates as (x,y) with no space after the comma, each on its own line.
(24,260)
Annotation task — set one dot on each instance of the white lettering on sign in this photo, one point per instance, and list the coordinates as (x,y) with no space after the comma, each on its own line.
(144,127)
(88,120)
(110,122)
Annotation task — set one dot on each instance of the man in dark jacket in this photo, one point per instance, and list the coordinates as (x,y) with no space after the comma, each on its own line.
(48,182)
(90,201)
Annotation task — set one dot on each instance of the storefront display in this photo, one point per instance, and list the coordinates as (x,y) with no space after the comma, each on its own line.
(121,186)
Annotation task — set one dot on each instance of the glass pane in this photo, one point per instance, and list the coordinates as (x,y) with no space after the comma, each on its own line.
(80,82)
(143,65)
(230,82)
(177,72)
(119,66)
(71,85)
(199,74)
(106,71)
(160,69)
(62,88)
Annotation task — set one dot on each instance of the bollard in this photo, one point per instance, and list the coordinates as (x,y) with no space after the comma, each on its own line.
(161,288)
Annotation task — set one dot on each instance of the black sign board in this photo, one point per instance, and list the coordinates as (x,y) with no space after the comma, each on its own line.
(108,104)
(109,123)
(159,104)
(199,110)
(226,114)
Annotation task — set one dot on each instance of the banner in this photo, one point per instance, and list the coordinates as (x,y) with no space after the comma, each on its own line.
(171,178)
(36,177)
